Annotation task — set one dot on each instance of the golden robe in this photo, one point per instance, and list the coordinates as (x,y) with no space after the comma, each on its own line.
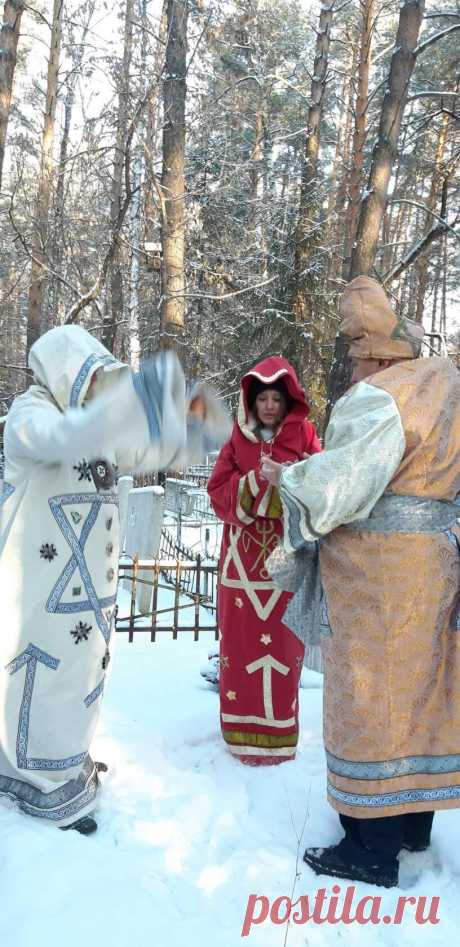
(392,660)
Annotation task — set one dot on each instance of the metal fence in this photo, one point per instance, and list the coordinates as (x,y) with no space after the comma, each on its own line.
(172,550)
(198,577)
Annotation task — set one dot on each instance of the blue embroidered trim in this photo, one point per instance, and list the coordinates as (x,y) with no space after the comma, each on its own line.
(31,656)
(78,561)
(148,386)
(26,792)
(56,764)
(83,374)
(395,798)
(17,790)
(7,491)
(94,694)
(391,769)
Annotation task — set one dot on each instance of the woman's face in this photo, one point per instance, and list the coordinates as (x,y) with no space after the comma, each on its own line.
(270,407)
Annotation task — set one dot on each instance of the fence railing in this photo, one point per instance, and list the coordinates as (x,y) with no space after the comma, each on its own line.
(199,576)
(172,549)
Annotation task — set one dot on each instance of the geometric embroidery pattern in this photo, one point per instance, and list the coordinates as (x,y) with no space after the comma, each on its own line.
(94,694)
(394,798)
(31,657)
(244,582)
(77,560)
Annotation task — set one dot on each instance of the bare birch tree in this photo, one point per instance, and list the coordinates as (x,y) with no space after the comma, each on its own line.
(9,36)
(173,176)
(41,232)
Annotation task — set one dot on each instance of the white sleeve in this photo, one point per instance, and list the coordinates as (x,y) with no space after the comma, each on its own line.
(364,446)
(36,430)
(198,438)
(124,419)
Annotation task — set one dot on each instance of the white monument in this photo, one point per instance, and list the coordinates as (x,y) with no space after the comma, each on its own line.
(143,534)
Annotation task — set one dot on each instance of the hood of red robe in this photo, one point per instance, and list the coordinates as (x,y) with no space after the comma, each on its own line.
(272,369)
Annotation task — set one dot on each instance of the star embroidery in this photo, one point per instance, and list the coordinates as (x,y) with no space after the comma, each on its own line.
(81,631)
(239,603)
(48,551)
(266,639)
(83,470)
(224,662)
(231,695)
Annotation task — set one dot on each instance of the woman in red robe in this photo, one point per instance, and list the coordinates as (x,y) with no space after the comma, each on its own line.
(260,658)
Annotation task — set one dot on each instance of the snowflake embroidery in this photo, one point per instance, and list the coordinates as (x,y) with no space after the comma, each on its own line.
(239,603)
(266,639)
(81,631)
(83,469)
(224,662)
(48,551)
(231,695)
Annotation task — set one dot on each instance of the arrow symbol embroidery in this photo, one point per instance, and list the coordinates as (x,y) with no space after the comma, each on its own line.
(31,657)
(268,664)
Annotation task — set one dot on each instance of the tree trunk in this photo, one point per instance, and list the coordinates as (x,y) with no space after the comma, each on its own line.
(59,235)
(301,302)
(115,310)
(360,127)
(341,193)
(374,203)
(41,234)
(9,36)
(422,262)
(134,347)
(384,154)
(173,177)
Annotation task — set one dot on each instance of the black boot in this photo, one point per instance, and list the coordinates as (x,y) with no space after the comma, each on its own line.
(85,826)
(101,767)
(417,831)
(348,860)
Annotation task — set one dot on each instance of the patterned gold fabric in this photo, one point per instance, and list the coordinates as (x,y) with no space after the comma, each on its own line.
(392,663)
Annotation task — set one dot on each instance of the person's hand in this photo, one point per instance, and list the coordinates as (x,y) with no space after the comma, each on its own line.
(197,409)
(270,470)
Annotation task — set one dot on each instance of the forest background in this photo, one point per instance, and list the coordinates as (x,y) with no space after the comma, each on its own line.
(207,175)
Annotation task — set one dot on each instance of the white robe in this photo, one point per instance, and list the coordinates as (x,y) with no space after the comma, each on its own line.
(59,547)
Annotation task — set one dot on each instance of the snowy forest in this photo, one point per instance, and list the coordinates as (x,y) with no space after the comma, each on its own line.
(206,175)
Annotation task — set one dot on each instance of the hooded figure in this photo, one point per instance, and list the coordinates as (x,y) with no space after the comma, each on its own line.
(380,499)
(260,659)
(85,415)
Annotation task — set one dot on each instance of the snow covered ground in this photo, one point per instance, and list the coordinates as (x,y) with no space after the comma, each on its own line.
(187,833)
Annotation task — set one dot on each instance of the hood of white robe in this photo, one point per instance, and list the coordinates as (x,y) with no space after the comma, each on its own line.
(64,361)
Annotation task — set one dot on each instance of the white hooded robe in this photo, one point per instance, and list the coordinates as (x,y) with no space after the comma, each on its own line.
(59,548)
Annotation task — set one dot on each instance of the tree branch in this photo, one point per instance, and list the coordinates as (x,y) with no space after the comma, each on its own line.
(432,235)
(434,39)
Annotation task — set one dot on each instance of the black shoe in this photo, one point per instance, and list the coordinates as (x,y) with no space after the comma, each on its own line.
(347,860)
(85,826)
(101,767)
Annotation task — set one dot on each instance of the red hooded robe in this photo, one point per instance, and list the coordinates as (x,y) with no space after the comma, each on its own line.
(260,658)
